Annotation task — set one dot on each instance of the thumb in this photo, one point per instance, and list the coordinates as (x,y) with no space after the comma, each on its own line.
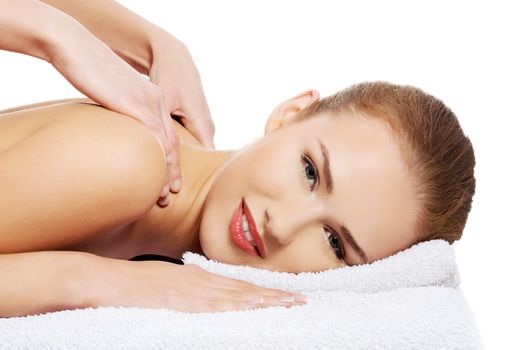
(173,160)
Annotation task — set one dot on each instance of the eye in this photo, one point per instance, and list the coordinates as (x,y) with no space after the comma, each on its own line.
(335,243)
(310,171)
(333,238)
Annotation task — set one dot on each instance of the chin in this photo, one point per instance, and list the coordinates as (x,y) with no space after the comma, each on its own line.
(211,245)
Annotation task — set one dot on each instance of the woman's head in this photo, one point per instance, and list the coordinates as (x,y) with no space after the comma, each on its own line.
(438,155)
(401,173)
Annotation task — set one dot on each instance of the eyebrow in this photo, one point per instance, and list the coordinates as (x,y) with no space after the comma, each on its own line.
(327,167)
(351,241)
(329,184)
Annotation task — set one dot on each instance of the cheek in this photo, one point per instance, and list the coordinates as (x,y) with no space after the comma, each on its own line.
(262,173)
(266,169)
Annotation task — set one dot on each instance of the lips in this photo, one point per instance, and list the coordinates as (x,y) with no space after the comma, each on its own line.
(237,233)
(253,230)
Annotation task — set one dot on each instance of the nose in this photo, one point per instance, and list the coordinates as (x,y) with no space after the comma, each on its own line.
(285,222)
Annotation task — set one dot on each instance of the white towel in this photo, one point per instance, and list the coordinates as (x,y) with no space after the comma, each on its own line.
(410,300)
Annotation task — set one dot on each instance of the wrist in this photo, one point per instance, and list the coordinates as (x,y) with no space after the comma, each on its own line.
(93,284)
(140,51)
(161,40)
(69,276)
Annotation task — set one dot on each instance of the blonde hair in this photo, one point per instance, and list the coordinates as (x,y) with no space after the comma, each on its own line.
(437,154)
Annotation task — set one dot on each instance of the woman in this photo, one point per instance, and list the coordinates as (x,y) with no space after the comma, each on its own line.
(343,180)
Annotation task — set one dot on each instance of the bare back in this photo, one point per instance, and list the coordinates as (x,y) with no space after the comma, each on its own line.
(19,122)
(26,130)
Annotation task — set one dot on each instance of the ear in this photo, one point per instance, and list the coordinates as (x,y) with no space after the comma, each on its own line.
(287,110)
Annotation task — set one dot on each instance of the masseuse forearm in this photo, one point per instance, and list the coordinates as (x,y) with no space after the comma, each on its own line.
(126,33)
(31,27)
(47,281)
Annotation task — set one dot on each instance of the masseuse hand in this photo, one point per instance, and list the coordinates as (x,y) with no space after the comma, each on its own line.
(175,72)
(188,288)
(96,71)
(175,89)
(101,48)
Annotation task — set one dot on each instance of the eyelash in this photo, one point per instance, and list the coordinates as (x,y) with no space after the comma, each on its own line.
(308,162)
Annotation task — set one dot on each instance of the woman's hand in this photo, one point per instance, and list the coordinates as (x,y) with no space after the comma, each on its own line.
(188,288)
(173,69)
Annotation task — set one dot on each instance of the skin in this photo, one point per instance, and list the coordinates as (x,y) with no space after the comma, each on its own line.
(112,43)
(372,194)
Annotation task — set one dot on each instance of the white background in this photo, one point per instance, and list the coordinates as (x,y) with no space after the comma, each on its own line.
(253,55)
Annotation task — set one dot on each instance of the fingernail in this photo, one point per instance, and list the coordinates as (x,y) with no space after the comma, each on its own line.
(176,185)
(288,299)
(300,297)
(256,301)
(165,191)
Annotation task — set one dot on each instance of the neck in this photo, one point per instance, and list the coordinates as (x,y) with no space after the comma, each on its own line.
(174,229)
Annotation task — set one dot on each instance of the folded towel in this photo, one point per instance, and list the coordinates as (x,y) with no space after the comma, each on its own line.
(410,300)
(425,264)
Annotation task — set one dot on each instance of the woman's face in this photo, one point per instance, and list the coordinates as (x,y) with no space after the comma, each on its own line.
(282,179)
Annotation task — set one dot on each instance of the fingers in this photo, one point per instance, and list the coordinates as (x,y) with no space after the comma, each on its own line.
(173,161)
(230,302)
(191,288)
(164,199)
(223,299)
(171,145)
(202,127)
(232,293)
(227,300)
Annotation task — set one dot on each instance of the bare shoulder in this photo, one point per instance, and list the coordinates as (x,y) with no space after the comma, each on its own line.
(45,104)
(80,173)
(104,130)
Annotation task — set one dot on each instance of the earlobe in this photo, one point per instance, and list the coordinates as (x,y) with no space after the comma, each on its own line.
(287,110)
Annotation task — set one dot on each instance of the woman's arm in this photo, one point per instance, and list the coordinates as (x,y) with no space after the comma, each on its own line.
(39,282)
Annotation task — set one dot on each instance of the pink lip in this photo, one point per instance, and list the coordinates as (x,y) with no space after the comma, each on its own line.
(253,229)
(237,233)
